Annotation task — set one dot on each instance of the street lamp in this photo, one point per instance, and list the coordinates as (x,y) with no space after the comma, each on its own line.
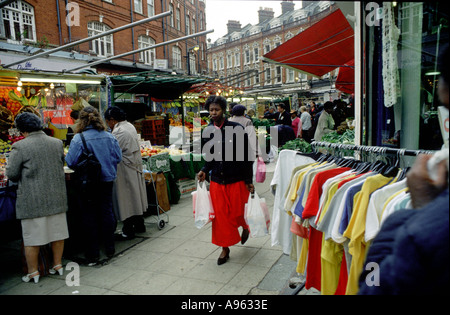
(194,49)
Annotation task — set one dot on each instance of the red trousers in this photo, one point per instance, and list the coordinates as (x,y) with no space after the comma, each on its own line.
(229,204)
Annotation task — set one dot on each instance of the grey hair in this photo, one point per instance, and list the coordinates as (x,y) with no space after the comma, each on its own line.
(28,122)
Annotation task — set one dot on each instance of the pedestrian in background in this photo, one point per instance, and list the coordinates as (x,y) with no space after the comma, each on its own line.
(231,178)
(96,202)
(238,117)
(325,123)
(282,117)
(305,117)
(296,124)
(129,192)
(36,163)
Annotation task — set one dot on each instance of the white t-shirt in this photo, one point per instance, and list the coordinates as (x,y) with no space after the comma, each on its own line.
(375,207)
(281,221)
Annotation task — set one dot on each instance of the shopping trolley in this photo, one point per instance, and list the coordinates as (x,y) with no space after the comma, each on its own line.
(159,210)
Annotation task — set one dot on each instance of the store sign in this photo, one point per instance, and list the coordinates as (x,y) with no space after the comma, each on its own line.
(161,64)
(41,64)
(60,116)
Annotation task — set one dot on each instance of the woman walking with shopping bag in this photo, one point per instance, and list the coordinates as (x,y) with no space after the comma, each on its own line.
(227,155)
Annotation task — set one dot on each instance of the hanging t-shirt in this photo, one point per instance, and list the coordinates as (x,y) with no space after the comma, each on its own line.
(356,228)
(281,221)
(375,208)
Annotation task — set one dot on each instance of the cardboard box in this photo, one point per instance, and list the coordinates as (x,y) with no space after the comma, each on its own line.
(186,186)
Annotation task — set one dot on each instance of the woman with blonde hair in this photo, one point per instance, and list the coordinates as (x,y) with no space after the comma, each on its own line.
(96,202)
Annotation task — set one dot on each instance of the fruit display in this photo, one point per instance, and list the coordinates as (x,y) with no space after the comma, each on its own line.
(5,146)
(6,118)
(148,152)
(10,103)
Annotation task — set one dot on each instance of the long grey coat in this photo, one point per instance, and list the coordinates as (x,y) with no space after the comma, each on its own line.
(130,194)
(36,163)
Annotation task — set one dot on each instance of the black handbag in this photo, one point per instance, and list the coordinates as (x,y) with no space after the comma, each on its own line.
(88,169)
(8,196)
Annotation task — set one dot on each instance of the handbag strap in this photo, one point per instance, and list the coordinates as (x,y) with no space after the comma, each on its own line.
(84,143)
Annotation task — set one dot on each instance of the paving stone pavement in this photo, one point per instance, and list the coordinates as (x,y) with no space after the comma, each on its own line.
(176,260)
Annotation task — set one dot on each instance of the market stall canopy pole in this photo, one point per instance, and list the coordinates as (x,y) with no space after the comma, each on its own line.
(140,50)
(88,39)
(321,48)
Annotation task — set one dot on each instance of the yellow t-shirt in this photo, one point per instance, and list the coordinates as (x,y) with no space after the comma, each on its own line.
(356,228)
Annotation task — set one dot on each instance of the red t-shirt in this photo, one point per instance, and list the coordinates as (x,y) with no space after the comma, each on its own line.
(314,265)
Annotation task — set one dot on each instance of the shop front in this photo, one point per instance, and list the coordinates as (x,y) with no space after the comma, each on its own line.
(399,69)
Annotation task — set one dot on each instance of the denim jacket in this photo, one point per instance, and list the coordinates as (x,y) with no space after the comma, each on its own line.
(104,146)
(227,154)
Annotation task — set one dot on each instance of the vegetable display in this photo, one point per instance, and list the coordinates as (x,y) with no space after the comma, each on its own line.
(348,137)
(298,144)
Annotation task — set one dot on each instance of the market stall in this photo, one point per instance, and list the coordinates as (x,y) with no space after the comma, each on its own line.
(51,96)
(166,120)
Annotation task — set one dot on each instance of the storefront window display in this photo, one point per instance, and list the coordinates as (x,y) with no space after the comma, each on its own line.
(402,44)
(50,96)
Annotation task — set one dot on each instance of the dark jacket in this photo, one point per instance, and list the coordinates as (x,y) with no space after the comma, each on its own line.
(283,119)
(412,252)
(227,154)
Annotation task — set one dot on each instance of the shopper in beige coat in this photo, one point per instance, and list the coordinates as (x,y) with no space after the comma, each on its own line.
(129,193)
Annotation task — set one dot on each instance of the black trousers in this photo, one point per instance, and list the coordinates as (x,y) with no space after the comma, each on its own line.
(98,220)
(133,225)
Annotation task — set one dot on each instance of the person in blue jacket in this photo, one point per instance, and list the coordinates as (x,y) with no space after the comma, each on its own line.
(95,204)
(410,255)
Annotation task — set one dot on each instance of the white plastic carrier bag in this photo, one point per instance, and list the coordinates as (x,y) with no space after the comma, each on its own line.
(202,205)
(257,216)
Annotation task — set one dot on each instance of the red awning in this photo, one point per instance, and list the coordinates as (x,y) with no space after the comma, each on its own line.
(321,48)
(345,81)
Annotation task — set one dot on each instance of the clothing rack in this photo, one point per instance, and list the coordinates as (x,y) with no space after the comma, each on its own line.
(372,149)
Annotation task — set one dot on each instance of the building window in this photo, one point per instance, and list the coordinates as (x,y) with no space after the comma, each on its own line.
(255,54)
(150,7)
(176,57)
(268,76)
(102,46)
(290,75)
(247,56)
(178,17)
(18,21)
(256,77)
(147,56)
(215,68)
(279,75)
(221,63)
(138,6)
(201,22)
(193,25)
(188,24)
(192,64)
(266,48)
(237,59)
(171,16)
(229,61)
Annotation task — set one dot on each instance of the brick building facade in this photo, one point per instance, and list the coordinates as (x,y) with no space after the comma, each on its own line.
(235,58)
(52,23)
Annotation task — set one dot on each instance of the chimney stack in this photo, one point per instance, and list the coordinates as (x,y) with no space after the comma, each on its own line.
(265,14)
(287,6)
(233,26)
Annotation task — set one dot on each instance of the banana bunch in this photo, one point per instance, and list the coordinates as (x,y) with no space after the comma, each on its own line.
(32,101)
